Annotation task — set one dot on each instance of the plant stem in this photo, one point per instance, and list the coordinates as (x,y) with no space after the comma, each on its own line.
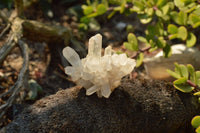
(192,84)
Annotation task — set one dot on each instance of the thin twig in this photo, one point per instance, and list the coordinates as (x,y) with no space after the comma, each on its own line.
(4,17)
(19,84)
(192,84)
(7,48)
(141,51)
(5,30)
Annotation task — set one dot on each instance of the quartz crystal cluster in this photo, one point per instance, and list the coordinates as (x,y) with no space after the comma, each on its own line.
(96,73)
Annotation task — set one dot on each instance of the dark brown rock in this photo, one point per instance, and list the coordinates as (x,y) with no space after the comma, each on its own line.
(135,107)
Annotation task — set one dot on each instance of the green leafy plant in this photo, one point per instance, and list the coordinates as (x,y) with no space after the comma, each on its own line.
(196,123)
(188,80)
(168,21)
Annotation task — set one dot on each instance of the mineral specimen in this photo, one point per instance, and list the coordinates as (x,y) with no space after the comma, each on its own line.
(96,73)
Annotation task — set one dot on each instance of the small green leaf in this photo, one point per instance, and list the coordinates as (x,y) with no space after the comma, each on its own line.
(191,39)
(177,69)
(197,74)
(139,5)
(132,43)
(182,18)
(139,59)
(159,13)
(87,10)
(174,16)
(196,121)
(165,9)
(191,72)
(182,33)
(123,3)
(161,43)
(101,9)
(172,29)
(196,25)
(184,71)
(197,130)
(173,74)
(197,93)
(167,51)
(142,39)
(161,3)
(180,84)
(173,36)
(197,11)
(194,20)
(149,11)
(111,14)
(179,3)
(144,18)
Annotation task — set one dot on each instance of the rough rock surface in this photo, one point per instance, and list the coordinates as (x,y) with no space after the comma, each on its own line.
(137,106)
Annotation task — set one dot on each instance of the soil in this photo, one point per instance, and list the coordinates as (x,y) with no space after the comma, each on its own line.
(138,105)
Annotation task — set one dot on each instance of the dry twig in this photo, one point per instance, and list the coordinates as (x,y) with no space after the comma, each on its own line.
(19,84)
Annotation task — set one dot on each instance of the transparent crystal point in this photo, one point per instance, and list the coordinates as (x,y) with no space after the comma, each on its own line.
(71,56)
(105,90)
(95,46)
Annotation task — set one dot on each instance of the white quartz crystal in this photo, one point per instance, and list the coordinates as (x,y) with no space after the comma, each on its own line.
(96,73)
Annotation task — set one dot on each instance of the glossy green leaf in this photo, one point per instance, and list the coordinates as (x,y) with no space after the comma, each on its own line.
(182,18)
(186,1)
(172,29)
(174,16)
(123,3)
(149,11)
(197,130)
(197,11)
(191,39)
(111,14)
(161,43)
(161,3)
(138,5)
(179,3)
(159,13)
(144,18)
(173,36)
(193,19)
(177,69)
(192,73)
(196,121)
(196,25)
(182,33)
(167,51)
(132,43)
(142,39)
(87,10)
(197,93)
(173,74)
(101,9)
(92,15)
(165,9)
(184,71)
(180,84)
(197,78)
(139,59)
